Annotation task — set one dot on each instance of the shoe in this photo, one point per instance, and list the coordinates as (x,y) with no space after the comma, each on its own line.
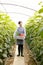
(18,55)
(22,55)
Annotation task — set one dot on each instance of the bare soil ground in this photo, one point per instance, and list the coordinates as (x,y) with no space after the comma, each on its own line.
(28,56)
(9,60)
(28,59)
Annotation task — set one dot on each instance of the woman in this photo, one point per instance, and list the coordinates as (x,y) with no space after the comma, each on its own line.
(21,32)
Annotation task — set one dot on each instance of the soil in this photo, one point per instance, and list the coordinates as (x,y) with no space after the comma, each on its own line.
(29,60)
(9,60)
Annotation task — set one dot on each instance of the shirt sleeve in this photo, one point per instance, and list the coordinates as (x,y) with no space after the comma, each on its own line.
(25,32)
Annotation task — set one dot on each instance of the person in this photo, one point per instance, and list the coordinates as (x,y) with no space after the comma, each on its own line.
(21,32)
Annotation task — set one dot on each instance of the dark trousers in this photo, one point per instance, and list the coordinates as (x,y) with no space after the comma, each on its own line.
(20,49)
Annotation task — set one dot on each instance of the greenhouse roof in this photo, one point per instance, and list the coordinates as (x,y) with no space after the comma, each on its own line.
(19,9)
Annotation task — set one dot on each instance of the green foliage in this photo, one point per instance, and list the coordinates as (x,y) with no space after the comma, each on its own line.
(7,28)
(34,38)
(41,10)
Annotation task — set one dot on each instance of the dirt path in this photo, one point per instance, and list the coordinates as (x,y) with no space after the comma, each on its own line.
(18,60)
(29,60)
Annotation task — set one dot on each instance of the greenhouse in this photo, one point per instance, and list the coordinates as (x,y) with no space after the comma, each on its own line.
(21,32)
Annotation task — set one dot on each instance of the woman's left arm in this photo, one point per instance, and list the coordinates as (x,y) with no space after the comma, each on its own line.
(24,32)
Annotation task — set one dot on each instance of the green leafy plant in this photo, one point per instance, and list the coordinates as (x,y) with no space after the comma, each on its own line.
(7,28)
(34,38)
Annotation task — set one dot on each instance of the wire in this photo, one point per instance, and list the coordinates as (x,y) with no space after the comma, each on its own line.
(4,7)
(17,13)
(13,12)
(17,5)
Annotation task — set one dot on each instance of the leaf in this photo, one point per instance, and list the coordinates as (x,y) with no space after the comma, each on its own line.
(1,50)
(41,10)
(4,55)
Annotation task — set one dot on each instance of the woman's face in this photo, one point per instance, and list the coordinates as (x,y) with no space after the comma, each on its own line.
(20,24)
